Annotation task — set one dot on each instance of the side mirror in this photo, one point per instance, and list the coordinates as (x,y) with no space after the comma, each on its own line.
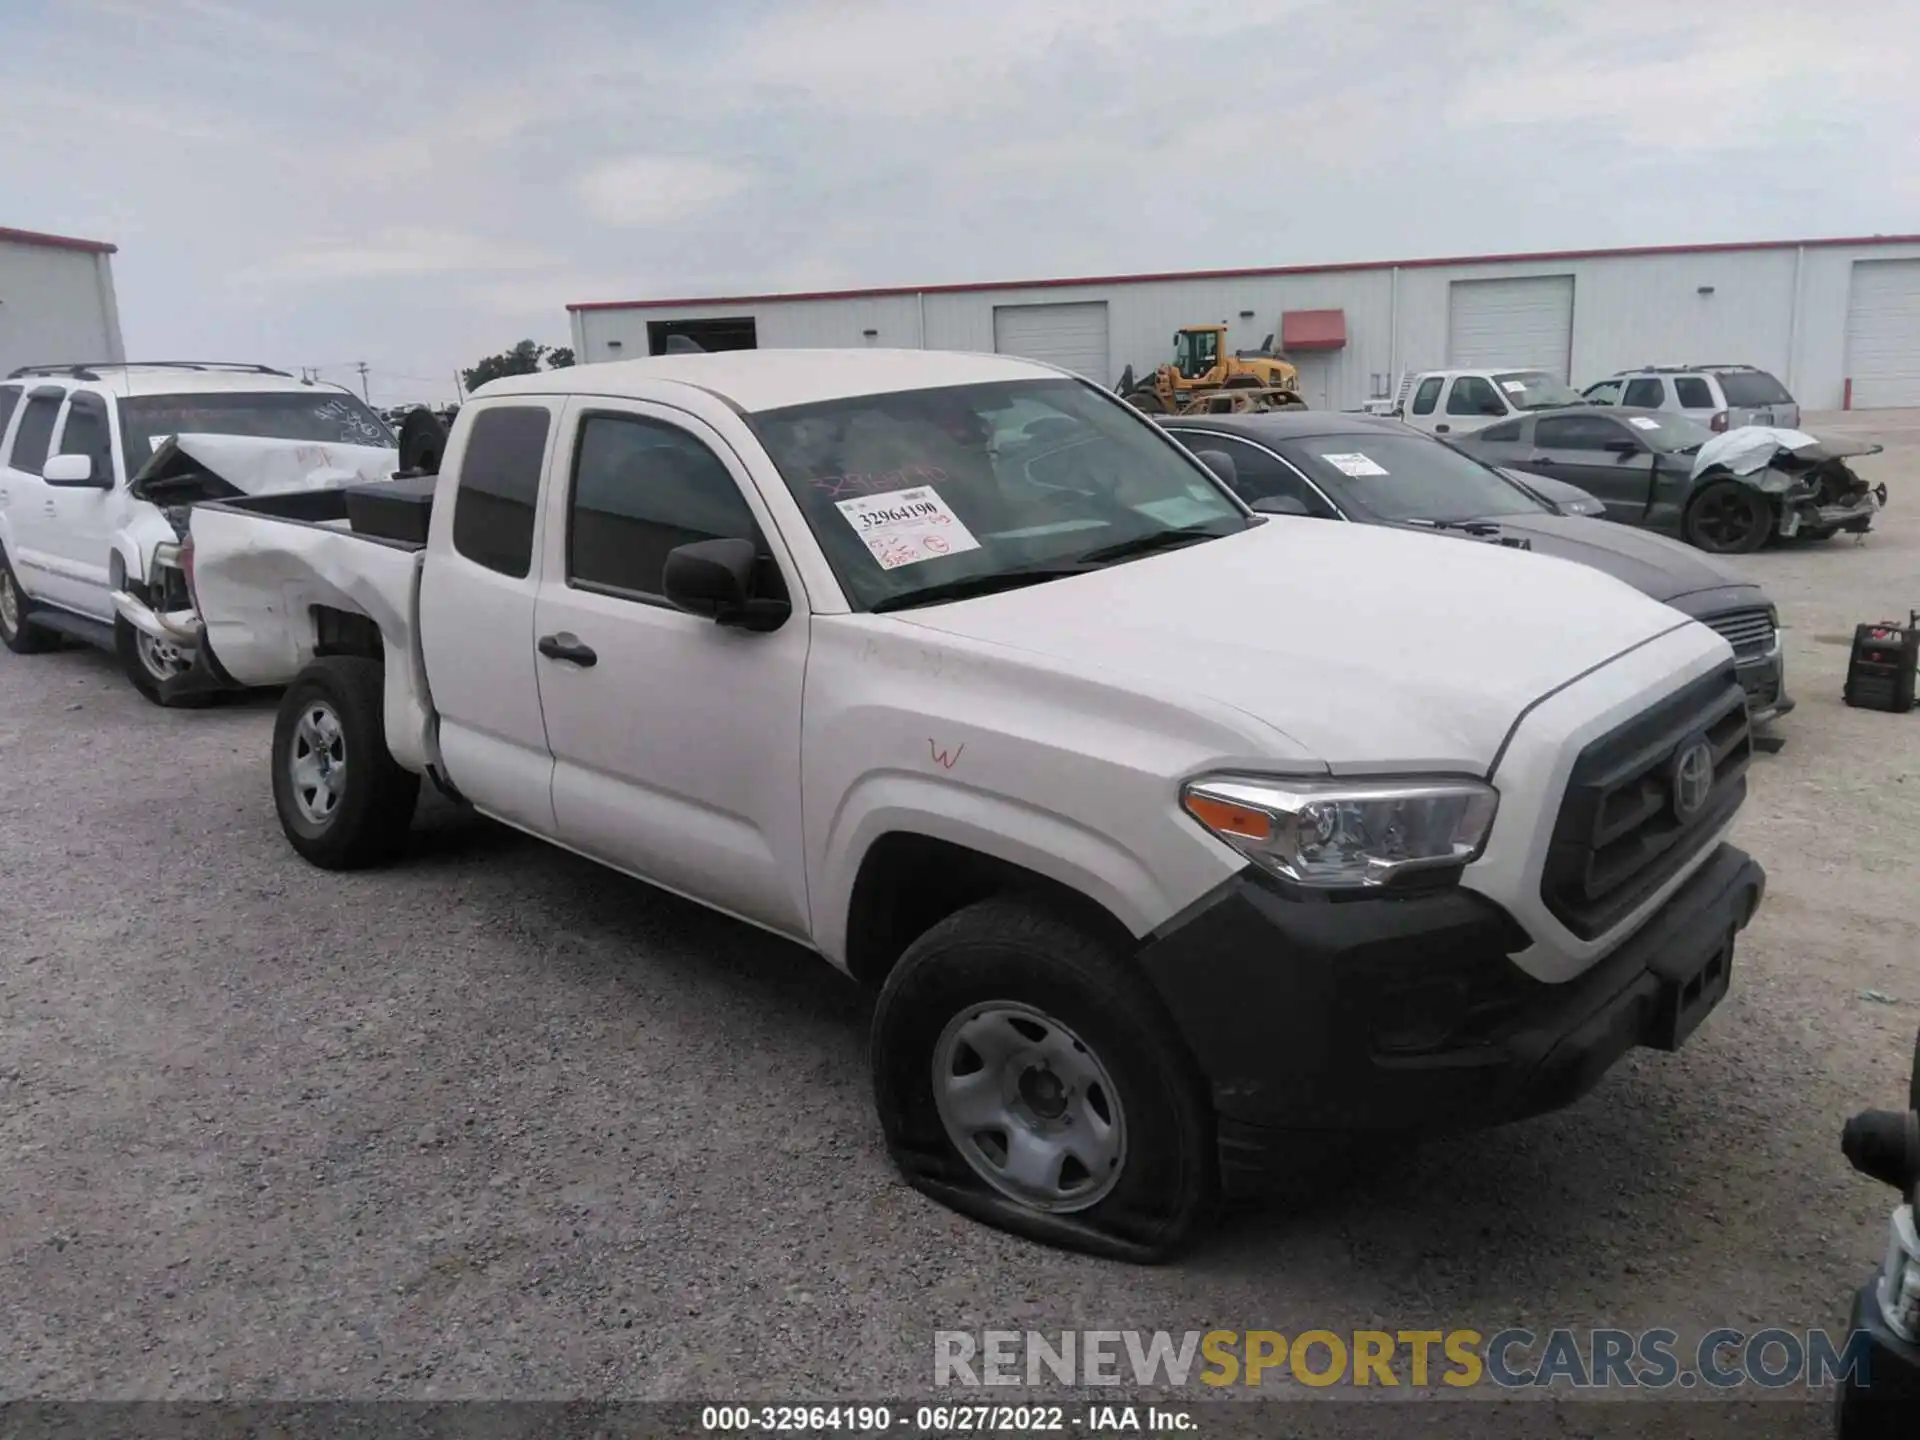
(1221,464)
(1492,407)
(1281,505)
(1622,446)
(74,471)
(714,579)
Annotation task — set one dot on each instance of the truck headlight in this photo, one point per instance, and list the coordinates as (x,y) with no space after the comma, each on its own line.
(1345,834)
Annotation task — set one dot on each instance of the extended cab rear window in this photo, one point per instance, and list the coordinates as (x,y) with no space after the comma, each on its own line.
(499,487)
(1752,387)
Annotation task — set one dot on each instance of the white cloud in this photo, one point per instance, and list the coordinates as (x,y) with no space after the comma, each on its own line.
(656,191)
(398,252)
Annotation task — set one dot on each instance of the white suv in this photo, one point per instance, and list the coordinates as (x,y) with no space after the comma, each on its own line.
(84,541)
(1721,397)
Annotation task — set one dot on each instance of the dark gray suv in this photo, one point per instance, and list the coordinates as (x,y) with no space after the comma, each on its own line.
(1373,470)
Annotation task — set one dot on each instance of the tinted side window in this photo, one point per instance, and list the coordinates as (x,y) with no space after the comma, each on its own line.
(36,434)
(1474,395)
(1429,392)
(1647,391)
(499,487)
(1574,432)
(641,488)
(1258,475)
(1693,392)
(1508,431)
(86,433)
(9,401)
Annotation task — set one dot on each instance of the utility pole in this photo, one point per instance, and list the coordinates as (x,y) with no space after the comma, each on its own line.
(459,394)
(362,368)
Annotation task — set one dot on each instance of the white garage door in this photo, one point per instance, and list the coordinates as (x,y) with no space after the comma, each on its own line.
(1073,336)
(1526,323)
(1883,333)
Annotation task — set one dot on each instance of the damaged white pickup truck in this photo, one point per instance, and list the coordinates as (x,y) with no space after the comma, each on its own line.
(98,464)
(1174,835)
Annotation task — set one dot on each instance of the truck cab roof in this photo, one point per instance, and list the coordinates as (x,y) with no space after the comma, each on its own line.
(758,380)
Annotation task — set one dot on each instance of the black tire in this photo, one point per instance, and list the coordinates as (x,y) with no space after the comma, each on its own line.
(20,635)
(367,820)
(142,676)
(1147,402)
(1007,951)
(1729,518)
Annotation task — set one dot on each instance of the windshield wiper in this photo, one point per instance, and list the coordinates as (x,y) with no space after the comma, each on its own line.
(968,586)
(1149,544)
(1471,527)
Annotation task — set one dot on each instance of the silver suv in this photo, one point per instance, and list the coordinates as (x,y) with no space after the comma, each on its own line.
(1722,397)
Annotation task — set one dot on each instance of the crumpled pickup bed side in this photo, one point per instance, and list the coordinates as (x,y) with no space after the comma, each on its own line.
(272,575)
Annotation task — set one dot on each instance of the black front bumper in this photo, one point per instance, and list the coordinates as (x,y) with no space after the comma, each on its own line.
(1880,1400)
(1764,678)
(1314,1018)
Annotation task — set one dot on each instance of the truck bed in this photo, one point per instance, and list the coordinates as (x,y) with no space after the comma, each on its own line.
(391,512)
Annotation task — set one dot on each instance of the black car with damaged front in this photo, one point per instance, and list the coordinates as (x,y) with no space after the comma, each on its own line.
(1727,493)
(1375,470)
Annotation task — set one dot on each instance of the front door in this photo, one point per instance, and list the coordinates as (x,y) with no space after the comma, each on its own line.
(1575,448)
(28,500)
(79,540)
(676,741)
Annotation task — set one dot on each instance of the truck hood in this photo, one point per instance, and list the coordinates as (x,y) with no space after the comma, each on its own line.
(189,468)
(1372,649)
(1652,564)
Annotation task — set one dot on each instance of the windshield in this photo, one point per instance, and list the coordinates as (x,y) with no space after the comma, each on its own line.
(1407,477)
(1667,431)
(936,493)
(324,416)
(1535,390)
(1752,387)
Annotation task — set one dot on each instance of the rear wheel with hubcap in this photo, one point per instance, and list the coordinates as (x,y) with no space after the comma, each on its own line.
(344,802)
(1729,518)
(1027,1076)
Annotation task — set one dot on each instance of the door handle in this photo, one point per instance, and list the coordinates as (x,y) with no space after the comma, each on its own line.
(1441,429)
(554,648)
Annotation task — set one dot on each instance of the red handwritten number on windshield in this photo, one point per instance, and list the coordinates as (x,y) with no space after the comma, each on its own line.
(936,545)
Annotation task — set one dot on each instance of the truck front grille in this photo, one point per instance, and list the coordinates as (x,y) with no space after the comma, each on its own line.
(1750,632)
(1621,833)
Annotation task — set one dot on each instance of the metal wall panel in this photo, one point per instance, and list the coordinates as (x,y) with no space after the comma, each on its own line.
(56,305)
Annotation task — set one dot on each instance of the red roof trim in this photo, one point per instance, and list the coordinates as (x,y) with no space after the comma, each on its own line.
(974,286)
(57,242)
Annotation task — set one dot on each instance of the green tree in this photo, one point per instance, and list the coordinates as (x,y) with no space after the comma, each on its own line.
(522,359)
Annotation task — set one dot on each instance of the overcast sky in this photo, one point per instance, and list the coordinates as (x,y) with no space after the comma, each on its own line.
(416,184)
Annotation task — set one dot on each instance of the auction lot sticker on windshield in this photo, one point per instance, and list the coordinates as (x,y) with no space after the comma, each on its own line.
(905,527)
(1355,465)
(1642,422)
(1514,387)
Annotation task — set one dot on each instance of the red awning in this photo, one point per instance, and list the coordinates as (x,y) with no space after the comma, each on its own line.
(1313,330)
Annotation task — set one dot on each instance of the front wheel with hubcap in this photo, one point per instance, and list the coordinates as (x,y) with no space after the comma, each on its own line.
(150,663)
(344,802)
(1028,1077)
(17,633)
(1729,518)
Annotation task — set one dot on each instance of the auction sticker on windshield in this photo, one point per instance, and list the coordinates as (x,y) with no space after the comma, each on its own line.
(1356,465)
(905,527)
(1641,422)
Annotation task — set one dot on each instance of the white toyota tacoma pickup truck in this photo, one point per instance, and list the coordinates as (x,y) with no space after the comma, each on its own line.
(1173,834)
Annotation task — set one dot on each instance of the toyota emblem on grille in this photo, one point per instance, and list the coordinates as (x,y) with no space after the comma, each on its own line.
(1692,779)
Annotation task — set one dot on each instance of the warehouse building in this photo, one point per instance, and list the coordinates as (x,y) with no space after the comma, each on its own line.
(1837,320)
(56,301)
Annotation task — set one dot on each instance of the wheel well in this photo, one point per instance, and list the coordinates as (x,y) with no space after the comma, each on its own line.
(909,883)
(345,632)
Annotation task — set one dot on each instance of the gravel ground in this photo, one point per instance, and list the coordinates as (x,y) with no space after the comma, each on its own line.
(499,1123)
